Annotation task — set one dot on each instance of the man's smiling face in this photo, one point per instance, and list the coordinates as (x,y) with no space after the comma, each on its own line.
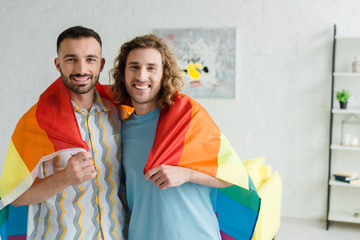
(143,74)
(79,62)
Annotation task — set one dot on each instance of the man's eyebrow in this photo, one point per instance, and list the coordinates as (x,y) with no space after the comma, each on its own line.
(69,55)
(93,56)
(73,55)
(133,62)
(149,64)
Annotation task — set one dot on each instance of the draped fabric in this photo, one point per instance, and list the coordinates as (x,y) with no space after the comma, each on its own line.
(48,128)
(187,136)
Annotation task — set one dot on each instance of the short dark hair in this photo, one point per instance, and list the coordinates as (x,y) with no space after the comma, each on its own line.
(75,33)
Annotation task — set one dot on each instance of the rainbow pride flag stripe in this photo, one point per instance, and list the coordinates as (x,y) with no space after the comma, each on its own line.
(49,127)
(187,136)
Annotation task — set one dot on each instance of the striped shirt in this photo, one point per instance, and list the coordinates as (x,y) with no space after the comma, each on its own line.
(92,210)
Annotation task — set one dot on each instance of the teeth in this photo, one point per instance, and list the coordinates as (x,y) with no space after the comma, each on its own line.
(81,79)
(142,87)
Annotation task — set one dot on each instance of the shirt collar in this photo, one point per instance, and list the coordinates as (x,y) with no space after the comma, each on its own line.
(98,105)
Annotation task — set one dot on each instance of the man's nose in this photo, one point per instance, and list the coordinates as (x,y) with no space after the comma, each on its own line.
(142,74)
(81,67)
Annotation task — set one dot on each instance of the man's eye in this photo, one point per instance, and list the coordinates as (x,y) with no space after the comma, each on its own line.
(92,59)
(70,60)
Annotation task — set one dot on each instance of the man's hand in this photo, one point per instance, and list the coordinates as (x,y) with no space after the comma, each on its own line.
(79,169)
(165,176)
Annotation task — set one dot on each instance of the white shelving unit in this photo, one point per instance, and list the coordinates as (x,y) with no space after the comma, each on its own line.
(342,216)
(333,182)
(346,111)
(346,74)
(342,147)
(343,198)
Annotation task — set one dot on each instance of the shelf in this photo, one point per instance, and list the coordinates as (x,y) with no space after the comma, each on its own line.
(342,147)
(333,182)
(344,196)
(346,74)
(345,111)
(348,38)
(343,216)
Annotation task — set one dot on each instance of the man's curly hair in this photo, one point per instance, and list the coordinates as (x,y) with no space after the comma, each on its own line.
(171,81)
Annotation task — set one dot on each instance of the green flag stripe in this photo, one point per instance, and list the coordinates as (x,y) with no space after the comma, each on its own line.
(248,198)
(4,213)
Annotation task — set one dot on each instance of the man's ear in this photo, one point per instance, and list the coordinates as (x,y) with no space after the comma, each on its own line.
(57,63)
(102,64)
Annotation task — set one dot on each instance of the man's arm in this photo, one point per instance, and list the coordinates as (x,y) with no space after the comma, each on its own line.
(79,169)
(165,176)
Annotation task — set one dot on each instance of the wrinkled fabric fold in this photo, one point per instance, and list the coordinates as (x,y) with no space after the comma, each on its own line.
(46,130)
(187,136)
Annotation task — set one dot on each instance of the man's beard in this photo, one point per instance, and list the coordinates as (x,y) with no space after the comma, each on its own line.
(151,97)
(77,88)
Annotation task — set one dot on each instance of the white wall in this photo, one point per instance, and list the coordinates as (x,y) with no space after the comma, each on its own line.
(283,74)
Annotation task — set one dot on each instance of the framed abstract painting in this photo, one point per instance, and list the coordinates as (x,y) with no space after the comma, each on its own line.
(206,57)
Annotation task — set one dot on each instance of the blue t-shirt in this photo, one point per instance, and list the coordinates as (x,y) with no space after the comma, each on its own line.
(183,212)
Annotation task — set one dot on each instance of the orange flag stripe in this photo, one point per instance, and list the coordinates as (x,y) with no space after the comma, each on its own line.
(207,141)
(186,136)
(25,142)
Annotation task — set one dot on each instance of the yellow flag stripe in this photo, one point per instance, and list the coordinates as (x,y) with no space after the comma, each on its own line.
(13,164)
(229,164)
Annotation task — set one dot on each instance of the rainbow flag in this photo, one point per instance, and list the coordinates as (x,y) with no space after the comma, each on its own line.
(49,127)
(187,136)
